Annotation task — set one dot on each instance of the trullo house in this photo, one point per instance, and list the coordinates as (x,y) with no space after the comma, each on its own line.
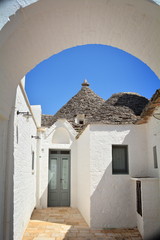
(100,156)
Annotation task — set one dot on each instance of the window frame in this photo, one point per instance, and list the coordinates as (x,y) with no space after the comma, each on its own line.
(121,171)
(33,161)
(80,119)
(139,197)
(155,157)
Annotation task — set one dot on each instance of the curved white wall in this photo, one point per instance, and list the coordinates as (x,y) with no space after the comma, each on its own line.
(47,27)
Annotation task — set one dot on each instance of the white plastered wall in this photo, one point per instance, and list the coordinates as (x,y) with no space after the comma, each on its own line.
(24,177)
(153,136)
(37,111)
(149,222)
(83,175)
(56,133)
(112,196)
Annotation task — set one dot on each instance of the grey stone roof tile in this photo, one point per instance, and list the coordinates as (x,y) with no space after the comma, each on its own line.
(84,102)
(120,108)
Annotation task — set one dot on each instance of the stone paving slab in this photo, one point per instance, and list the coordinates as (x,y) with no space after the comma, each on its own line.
(68,224)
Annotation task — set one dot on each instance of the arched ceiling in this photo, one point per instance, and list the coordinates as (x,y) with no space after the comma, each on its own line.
(40,29)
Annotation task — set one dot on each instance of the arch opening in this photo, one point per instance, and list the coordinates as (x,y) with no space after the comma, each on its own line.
(46,27)
(109,70)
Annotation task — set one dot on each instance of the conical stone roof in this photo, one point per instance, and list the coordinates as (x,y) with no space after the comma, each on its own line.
(120,108)
(84,102)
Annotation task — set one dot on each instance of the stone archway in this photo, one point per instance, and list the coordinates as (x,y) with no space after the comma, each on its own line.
(47,27)
(41,28)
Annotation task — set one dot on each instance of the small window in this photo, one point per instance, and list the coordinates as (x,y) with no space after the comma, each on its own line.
(120,159)
(155,157)
(139,199)
(80,119)
(32,160)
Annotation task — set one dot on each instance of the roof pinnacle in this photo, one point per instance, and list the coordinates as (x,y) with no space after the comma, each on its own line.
(85,83)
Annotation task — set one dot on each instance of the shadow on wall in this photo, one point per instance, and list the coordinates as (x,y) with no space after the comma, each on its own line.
(112,202)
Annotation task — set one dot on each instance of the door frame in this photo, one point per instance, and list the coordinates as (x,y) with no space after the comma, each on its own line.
(56,149)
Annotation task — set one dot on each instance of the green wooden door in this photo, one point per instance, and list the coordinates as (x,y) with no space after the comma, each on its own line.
(59,179)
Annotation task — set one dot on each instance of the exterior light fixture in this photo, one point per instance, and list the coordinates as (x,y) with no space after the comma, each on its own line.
(36,137)
(25,114)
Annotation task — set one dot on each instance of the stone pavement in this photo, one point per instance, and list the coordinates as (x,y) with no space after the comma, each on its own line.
(68,224)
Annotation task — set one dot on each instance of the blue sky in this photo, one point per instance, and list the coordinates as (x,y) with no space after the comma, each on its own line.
(108,70)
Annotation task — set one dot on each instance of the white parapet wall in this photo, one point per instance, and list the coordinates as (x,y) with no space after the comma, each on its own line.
(24,171)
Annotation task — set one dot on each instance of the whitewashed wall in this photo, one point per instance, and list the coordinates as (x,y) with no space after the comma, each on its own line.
(153,136)
(149,222)
(53,138)
(37,111)
(112,196)
(83,174)
(24,177)
(151,207)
